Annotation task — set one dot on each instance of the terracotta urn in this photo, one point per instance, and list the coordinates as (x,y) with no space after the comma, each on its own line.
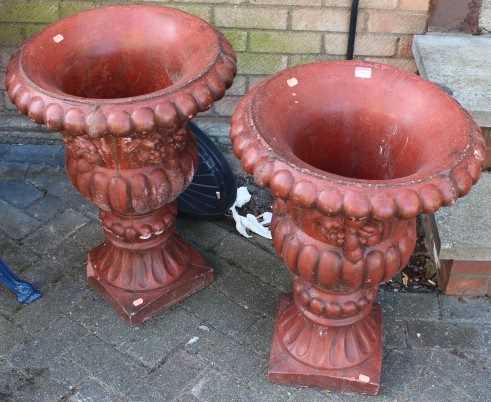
(120,83)
(352,153)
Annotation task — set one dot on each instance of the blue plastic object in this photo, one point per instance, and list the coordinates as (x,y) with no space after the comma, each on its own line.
(24,291)
(214,189)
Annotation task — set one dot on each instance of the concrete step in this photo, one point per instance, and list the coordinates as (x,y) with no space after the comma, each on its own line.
(461,63)
(465,228)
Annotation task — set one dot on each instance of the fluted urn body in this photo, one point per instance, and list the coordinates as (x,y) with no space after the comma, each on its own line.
(121,83)
(352,153)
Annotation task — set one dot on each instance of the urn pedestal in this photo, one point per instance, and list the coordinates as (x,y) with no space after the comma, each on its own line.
(121,83)
(352,153)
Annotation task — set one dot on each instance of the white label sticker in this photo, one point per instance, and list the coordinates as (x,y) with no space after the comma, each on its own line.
(363,72)
(58,38)
(364,378)
(292,82)
(137,302)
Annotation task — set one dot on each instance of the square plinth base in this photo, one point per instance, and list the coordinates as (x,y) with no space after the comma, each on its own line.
(137,307)
(364,378)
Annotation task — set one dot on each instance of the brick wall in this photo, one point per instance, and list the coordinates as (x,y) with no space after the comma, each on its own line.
(268,35)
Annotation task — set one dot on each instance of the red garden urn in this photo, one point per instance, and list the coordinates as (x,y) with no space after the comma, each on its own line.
(352,153)
(120,83)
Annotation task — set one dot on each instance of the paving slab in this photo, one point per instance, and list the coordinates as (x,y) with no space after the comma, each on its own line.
(465,228)
(259,335)
(460,62)
(51,155)
(473,309)
(204,234)
(395,334)
(160,338)
(168,380)
(52,235)
(447,335)
(46,208)
(404,306)
(58,185)
(12,122)
(9,336)
(19,193)
(99,360)
(220,312)
(41,350)
(91,390)
(30,385)
(13,169)
(17,261)
(215,386)
(245,290)
(11,380)
(15,223)
(8,303)
(265,266)
(59,299)
(463,380)
(225,353)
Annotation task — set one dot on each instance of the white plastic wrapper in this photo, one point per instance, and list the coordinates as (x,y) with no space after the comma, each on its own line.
(258,225)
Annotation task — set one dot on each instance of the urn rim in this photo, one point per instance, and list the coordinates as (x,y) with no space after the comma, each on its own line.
(168,106)
(263,154)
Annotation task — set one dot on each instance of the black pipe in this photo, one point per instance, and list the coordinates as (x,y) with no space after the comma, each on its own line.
(352,29)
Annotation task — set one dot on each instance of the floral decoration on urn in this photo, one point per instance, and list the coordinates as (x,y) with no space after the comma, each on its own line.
(352,152)
(120,83)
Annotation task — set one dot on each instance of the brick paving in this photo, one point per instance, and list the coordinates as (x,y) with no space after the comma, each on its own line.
(70,345)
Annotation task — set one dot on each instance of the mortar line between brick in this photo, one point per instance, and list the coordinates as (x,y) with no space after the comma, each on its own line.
(232,232)
(134,361)
(219,370)
(256,313)
(257,245)
(440,307)
(186,387)
(234,264)
(230,338)
(289,26)
(72,391)
(323,44)
(166,358)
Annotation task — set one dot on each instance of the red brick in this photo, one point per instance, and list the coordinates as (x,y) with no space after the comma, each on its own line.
(471,267)
(444,274)
(396,22)
(465,278)
(403,64)
(461,285)
(486,131)
(420,5)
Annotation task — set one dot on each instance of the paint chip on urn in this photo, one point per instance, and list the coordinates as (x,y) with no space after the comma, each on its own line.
(292,82)
(137,302)
(364,378)
(58,38)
